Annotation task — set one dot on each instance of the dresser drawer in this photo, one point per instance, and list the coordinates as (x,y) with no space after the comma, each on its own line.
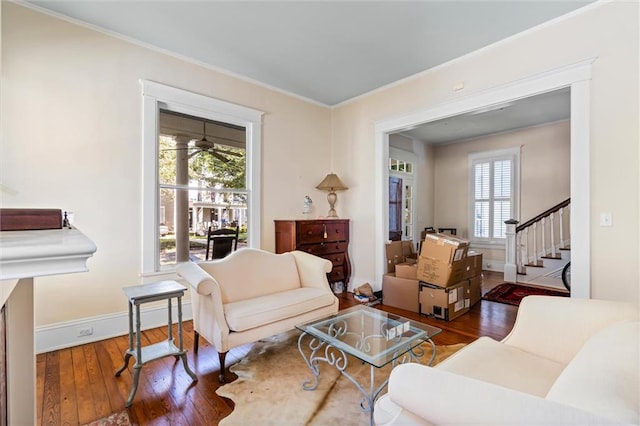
(336,259)
(322,232)
(336,274)
(323,249)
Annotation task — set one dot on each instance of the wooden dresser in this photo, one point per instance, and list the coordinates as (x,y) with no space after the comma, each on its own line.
(327,238)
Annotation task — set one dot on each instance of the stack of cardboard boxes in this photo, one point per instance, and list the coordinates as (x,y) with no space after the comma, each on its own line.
(444,282)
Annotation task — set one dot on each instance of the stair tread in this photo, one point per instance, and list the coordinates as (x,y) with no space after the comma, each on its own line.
(556,257)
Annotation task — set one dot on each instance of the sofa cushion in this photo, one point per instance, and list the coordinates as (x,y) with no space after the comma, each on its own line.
(247,314)
(247,274)
(490,361)
(604,376)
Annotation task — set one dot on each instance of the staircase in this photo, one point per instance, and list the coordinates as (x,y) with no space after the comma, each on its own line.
(537,250)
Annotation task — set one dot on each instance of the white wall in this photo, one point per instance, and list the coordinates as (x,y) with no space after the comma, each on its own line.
(71,139)
(608,31)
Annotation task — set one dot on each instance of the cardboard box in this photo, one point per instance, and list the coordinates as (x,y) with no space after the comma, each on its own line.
(445,248)
(408,270)
(474,292)
(399,252)
(444,303)
(474,264)
(434,271)
(400,292)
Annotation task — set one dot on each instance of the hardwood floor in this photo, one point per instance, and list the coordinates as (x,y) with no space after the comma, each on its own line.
(77,385)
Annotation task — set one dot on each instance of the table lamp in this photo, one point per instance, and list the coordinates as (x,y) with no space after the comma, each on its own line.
(332,183)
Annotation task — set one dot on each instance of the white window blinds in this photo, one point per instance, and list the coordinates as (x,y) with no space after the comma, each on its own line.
(493,192)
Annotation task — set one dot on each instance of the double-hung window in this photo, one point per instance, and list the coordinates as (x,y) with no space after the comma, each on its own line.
(183,191)
(494,193)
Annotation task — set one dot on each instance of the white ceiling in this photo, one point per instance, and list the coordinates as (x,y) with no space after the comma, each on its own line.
(325,51)
(532,111)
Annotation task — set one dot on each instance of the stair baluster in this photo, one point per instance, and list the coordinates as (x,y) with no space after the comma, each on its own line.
(553,241)
(561,211)
(535,244)
(525,250)
(519,247)
(543,234)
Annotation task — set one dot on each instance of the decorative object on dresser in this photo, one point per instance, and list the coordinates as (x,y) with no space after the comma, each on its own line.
(332,183)
(327,238)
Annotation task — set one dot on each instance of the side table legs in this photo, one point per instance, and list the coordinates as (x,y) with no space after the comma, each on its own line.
(157,350)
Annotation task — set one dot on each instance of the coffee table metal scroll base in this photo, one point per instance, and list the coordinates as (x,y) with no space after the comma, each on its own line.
(321,351)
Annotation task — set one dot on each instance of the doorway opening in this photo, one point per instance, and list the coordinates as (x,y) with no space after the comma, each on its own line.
(576,77)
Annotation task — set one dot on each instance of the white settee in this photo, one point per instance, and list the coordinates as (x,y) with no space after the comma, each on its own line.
(252,294)
(566,361)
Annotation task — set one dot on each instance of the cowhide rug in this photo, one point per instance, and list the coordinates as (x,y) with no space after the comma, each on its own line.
(269,391)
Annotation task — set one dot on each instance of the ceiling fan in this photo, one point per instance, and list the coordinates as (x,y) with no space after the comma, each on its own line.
(205,145)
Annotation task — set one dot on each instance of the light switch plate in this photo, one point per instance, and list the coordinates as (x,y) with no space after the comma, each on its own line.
(606,219)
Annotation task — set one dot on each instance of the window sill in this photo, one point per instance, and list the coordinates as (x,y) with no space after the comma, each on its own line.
(494,245)
(169,274)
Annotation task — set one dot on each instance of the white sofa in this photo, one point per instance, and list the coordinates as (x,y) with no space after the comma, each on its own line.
(566,361)
(252,294)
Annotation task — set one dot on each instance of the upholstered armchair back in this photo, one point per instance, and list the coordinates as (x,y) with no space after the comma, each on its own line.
(249,273)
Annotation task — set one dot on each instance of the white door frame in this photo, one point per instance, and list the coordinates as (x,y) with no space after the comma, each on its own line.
(576,76)
(407,179)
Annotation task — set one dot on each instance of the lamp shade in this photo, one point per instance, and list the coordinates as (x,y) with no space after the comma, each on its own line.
(332,183)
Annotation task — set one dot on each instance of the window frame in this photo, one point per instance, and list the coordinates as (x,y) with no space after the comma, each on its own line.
(156,96)
(512,154)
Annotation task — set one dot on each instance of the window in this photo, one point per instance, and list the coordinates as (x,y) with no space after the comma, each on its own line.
(204,200)
(202,183)
(494,192)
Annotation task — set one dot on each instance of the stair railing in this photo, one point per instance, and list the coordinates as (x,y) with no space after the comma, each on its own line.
(522,250)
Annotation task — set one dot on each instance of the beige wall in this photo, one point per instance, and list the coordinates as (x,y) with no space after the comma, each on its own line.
(544,172)
(71,112)
(608,31)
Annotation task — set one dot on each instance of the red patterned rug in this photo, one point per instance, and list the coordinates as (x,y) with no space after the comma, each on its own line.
(512,294)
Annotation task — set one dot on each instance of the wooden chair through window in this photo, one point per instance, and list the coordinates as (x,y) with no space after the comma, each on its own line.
(221,242)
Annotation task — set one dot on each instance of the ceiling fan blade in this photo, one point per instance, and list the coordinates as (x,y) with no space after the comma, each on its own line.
(225,152)
(180,149)
(218,156)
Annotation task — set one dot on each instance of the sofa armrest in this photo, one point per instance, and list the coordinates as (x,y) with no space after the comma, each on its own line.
(208,310)
(197,278)
(557,327)
(441,397)
(312,270)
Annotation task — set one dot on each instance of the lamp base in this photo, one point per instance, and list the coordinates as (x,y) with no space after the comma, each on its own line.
(332,197)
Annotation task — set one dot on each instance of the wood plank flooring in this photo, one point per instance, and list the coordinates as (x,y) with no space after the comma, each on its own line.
(76,386)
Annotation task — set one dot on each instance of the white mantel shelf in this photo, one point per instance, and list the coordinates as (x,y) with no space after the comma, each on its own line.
(23,256)
(48,252)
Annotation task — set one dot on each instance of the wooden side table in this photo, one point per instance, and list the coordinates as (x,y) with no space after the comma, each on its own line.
(137,295)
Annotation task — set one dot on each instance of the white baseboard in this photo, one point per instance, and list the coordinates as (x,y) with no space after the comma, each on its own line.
(67,334)
(493,265)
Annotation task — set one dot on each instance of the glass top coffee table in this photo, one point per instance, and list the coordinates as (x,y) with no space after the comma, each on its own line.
(370,335)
